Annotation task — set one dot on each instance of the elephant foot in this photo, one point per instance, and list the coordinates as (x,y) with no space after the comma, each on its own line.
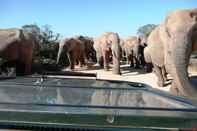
(160,83)
(136,67)
(69,69)
(97,64)
(131,66)
(174,90)
(165,79)
(117,73)
(106,69)
(148,68)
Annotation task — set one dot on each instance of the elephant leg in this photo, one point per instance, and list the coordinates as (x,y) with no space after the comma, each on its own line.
(148,67)
(81,61)
(127,57)
(28,62)
(136,62)
(106,60)
(77,62)
(141,61)
(158,72)
(130,58)
(97,58)
(100,61)
(116,63)
(28,67)
(164,73)
(82,58)
(174,89)
(71,60)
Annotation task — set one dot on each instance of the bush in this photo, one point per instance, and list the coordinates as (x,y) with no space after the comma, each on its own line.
(48,47)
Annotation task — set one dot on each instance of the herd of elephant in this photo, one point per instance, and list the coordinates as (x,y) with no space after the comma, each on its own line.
(102,50)
(168,49)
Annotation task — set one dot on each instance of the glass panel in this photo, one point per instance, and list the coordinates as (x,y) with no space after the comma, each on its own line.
(48,92)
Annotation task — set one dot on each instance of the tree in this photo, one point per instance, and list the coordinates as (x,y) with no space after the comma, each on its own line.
(34,30)
(48,36)
(48,44)
(146,29)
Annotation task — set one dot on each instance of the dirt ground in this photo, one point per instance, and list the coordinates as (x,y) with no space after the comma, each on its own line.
(133,75)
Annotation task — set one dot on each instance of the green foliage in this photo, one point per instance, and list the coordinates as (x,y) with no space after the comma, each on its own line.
(146,29)
(48,44)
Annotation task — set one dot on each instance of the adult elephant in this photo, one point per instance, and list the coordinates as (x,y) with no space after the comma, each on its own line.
(17,45)
(108,45)
(90,53)
(133,47)
(170,46)
(155,47)
(75,50)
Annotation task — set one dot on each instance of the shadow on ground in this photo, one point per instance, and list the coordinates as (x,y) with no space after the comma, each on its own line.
(126,69)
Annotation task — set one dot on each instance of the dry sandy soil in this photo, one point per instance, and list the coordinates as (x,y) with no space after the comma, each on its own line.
(133,75)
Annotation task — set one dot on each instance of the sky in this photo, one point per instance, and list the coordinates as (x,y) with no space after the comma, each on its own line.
(89,17)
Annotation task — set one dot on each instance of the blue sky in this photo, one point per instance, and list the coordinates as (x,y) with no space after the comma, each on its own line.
(89,17)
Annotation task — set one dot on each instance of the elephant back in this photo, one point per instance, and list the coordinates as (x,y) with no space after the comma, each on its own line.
(110,40)
(9,36)
(130,43)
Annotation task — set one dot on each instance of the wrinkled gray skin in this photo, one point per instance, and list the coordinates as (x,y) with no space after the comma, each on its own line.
(108,45)
(171,44)
(75,50)
(17,46)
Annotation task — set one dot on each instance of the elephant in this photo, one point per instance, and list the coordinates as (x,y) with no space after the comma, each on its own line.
(99,56)
(133,47)
(17,45)
(156,48)
(170,46)
(107,45)
(90,52)
(75,50)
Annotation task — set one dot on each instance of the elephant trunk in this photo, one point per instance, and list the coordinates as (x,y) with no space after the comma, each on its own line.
(59,53)
(180,52)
